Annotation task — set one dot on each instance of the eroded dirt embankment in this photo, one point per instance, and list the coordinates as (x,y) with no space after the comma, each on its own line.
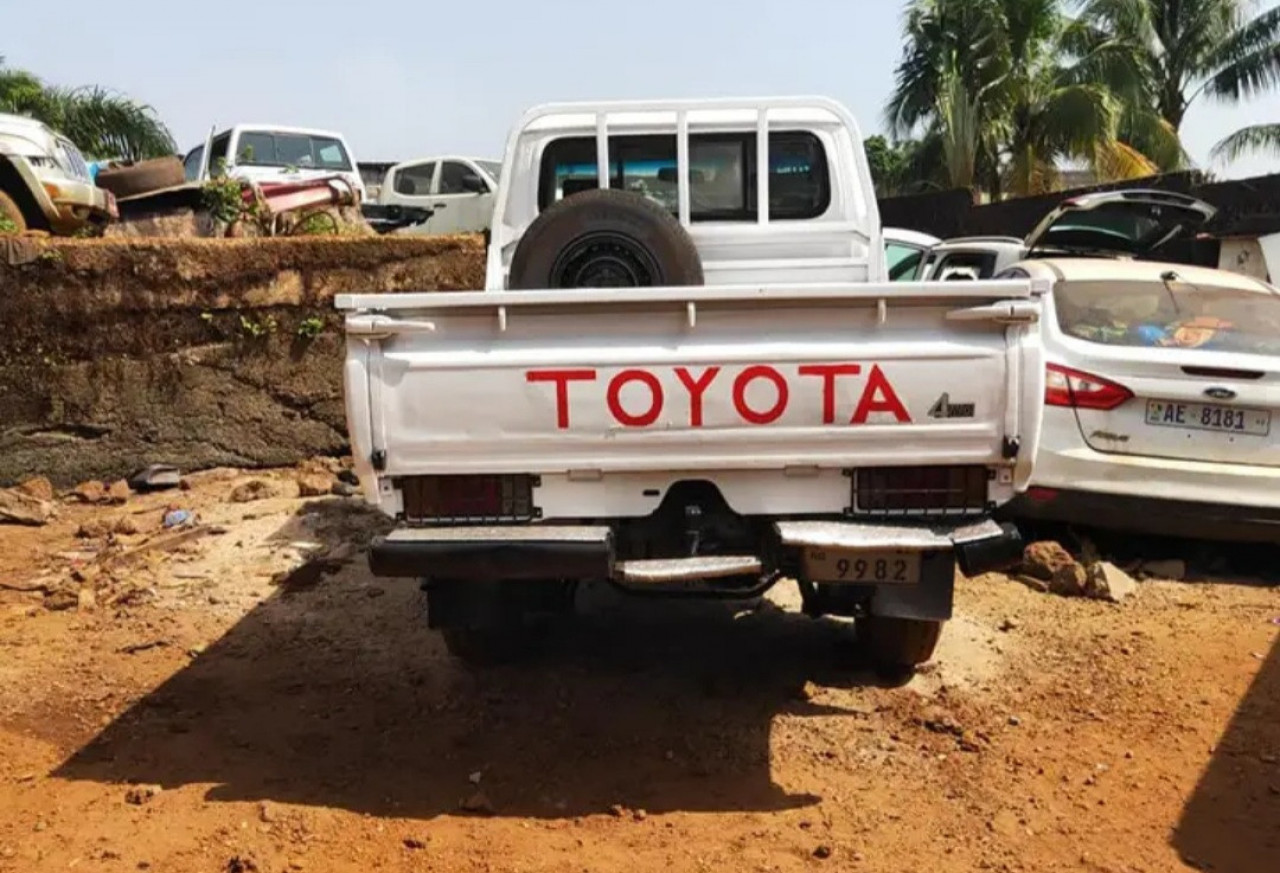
(115,354)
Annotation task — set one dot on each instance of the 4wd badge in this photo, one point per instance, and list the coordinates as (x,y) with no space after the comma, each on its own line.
(944,408)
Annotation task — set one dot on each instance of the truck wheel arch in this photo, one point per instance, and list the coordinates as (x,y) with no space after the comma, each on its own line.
(13,185)
(604,238)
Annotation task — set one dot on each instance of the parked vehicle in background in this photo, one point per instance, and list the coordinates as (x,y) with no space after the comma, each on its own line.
(905,251)
(458,190)
(274,153)
(1130,223)
(691,377)
(45,183)
(1161,400)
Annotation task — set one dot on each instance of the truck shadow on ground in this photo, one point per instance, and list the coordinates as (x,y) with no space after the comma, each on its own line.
(1232,821)
(338,695)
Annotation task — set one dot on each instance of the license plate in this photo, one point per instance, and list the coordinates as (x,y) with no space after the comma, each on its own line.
(1208,416)
(859,567)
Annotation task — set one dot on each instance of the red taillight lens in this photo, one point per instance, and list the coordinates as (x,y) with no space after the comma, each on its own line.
(468,498)
(1064,386)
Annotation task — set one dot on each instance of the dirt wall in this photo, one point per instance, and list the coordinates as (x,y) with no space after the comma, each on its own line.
(115,354)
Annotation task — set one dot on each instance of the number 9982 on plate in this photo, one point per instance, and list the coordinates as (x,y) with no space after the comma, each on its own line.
(862,567)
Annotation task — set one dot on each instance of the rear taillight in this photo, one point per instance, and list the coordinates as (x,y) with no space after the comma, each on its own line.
(1064,386)
(906,491)
(468,498)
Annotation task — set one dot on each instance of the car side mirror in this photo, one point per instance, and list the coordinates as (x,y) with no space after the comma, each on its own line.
(473,183)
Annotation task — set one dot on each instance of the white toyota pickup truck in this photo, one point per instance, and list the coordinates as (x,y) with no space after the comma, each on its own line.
(694,380)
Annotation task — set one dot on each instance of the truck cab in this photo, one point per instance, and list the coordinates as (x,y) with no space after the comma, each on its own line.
(693,378)
(274,153)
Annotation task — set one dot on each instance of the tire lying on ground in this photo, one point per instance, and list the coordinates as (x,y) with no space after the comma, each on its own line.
(605,239)
(142,177)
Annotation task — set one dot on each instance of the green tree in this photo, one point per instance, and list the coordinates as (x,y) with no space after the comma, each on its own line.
(1011,89)
(1222,50)
(102,123)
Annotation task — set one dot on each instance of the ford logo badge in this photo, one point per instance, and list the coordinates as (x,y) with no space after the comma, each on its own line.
(1220,393)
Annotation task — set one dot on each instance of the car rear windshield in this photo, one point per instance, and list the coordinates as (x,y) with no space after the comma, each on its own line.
(722,173)
(1173,314)
(1126,227)
(304,151)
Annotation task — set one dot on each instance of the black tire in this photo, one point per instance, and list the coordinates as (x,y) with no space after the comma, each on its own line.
(142,177)
(605,238)
(898,645)
(10,211)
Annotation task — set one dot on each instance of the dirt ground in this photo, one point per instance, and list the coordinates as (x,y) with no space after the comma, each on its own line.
(241,695)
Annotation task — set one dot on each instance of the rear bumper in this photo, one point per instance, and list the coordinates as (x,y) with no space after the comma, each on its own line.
(1149,515)
(531,552)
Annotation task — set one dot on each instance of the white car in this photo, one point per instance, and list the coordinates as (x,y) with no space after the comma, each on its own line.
(45,183)
(1162,387)
(274,153)
(905,252)
(459,191)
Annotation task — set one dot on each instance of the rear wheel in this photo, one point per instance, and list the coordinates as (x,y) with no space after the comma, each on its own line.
(491,646)
(11,218)
(898,645)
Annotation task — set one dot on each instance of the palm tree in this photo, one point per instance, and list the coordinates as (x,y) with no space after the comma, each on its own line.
(1039,92)
(1219,49)
(102,123)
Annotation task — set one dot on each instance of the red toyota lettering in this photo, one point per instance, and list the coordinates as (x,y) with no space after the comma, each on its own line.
(878,396)
(696,387)
(561,378)
(613,397)
(745,378)
(829,373)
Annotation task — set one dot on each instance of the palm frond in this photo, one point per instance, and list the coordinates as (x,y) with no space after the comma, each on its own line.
(1247,63)
(1256,138)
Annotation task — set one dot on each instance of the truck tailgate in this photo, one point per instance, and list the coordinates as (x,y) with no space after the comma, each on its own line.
(696,379)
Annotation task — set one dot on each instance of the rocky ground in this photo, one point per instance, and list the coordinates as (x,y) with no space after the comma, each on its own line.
(236,693)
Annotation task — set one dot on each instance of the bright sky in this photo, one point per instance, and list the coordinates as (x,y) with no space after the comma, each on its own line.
(407,79)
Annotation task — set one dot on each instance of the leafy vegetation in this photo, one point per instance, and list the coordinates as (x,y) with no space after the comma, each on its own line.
(101,122)
(999,95)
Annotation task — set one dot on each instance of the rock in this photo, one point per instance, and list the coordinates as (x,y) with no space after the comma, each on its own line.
(314,484)
(1069,580)
(94,528)
(118,492)
(126,525)
(807,692)
(61,599)
(822,853)
(342,489)
(414,843)
(18,507)
(1043,559)
(1108,582)
(1034,584)
(349,477)
(267,813)
(1008,625)
(254,489)
(89,492)
(1173,569)
(640,815)
(617,810)
(156,477)
(140,794)
(241,864)
(38,487)
(86,599)
(1014,721)
(477,803)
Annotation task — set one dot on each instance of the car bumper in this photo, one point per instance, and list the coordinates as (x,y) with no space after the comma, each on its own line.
(70,204)
(532,552)
(1149,515)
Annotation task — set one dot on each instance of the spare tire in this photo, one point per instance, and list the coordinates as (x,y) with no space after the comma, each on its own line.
(605,239)
(144,176)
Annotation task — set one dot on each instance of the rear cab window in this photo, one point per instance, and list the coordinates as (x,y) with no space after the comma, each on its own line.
(258,148)
(1170,314)
(722,173)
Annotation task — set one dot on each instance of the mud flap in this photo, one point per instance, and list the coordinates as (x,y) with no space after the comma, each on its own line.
(929,601)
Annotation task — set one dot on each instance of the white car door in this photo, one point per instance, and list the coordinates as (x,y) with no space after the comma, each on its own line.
(463,203)
(410,184)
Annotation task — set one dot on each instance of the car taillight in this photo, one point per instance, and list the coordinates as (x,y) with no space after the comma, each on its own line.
(1064,386)
(468,498)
